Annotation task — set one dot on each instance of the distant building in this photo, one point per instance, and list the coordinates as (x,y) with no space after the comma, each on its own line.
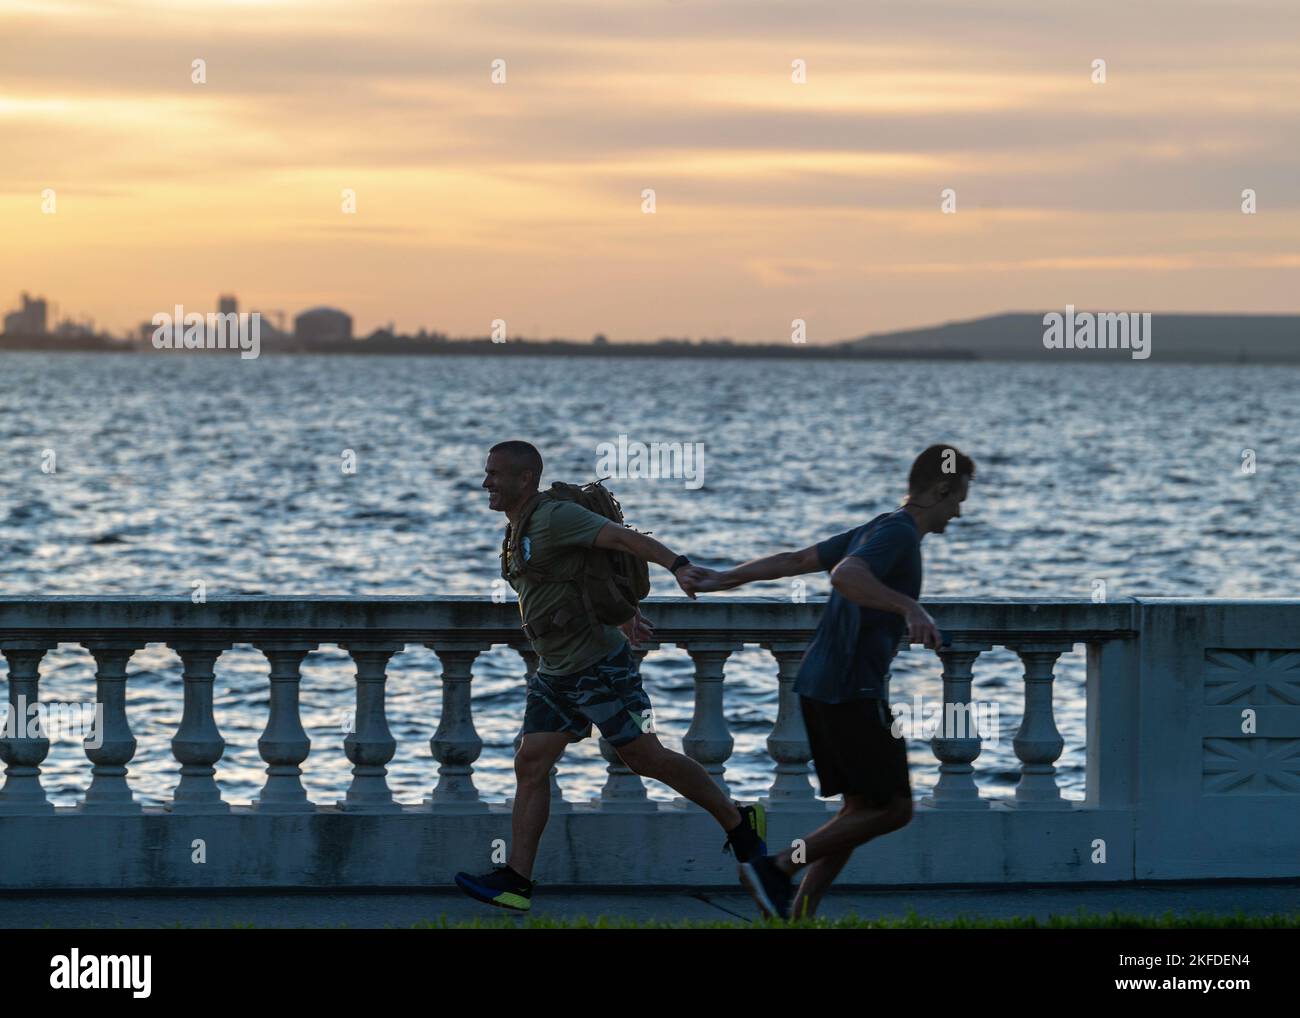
(318,325)
(269,329)
(227,305)
(29,321)
(68,329)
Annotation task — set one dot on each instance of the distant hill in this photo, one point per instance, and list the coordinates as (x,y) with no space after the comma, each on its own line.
(1174,337)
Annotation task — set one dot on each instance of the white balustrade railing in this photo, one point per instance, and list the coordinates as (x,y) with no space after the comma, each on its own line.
(1140,761)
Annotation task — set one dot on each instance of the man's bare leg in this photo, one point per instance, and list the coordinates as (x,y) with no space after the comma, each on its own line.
(650,758)
(817,878)
(826,851)
(537,754)
(818,875)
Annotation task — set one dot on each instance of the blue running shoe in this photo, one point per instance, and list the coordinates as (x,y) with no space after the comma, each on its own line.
(502,887)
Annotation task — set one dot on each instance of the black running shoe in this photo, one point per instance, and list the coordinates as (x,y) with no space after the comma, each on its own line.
(750,836)
(770,888)
(502,887)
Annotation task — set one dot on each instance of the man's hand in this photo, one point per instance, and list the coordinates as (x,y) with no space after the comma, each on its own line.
(687,577)
(638,628)
(921,627)
(697,579)
(705,581)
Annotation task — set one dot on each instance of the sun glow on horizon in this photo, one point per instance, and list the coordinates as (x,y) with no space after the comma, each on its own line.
(773,199)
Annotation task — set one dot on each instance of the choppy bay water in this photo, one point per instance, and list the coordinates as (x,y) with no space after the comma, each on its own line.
(169,470)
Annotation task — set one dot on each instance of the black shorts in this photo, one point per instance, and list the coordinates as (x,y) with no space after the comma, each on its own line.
(855,751)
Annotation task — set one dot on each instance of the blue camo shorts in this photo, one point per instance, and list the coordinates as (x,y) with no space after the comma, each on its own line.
(607,694)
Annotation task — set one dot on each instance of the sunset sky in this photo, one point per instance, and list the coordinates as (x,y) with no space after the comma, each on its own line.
(775,200)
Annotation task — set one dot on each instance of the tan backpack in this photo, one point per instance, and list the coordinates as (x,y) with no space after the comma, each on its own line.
(610,584)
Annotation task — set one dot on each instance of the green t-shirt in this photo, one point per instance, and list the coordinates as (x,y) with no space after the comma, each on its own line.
(557,533)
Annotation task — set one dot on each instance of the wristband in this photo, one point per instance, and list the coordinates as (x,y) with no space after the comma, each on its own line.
(678,562)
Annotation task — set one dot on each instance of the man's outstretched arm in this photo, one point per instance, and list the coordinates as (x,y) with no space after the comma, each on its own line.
(772,567)
(616,538)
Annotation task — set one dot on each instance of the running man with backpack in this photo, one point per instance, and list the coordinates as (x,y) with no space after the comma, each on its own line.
(843,681)
(579,572)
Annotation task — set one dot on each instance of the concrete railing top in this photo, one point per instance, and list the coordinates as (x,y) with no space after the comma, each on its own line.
(424,618)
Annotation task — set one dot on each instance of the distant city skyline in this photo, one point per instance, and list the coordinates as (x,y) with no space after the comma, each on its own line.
(224,146)
(319,323)
(1015,335)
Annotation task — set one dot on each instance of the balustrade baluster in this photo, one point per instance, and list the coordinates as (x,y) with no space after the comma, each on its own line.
(956,751)
(25,747)
(1038,743)
(707,740)
(788,743)
(115,746)
(284,744)
(456,744)
(198,745)
(370,744)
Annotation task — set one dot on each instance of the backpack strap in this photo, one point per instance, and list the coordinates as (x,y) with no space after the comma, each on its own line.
(512,543)
(568,616)
(573,612)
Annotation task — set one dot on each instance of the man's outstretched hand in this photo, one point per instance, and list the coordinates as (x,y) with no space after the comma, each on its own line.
(707,581)
(697,580)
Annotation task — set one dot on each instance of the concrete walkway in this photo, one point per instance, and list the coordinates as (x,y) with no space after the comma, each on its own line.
(380,909)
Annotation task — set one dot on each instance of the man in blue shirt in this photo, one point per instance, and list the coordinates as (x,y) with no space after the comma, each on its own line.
(843,679)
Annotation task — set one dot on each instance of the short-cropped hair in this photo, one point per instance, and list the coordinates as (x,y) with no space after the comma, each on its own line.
(522,455)
(938,463)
